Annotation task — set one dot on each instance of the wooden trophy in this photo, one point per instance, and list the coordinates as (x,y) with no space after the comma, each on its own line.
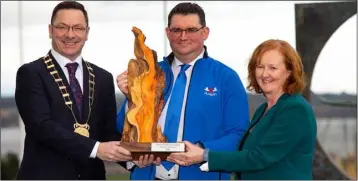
(146,80)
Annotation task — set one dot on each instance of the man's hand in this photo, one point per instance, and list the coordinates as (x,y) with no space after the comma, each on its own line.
(145,161)
(122,83)
(113,152)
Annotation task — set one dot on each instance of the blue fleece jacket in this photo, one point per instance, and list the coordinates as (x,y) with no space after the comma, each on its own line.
(216,114)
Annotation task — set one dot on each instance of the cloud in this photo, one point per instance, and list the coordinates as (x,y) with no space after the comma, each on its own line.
(39,12)
(236,28)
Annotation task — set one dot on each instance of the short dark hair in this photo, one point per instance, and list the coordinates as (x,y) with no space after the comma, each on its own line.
(69,5)
(185,9)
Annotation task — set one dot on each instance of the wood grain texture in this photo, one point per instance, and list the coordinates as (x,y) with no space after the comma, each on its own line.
(146,82)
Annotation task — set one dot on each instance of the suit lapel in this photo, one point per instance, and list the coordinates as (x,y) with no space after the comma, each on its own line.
(85,91)
(69,90)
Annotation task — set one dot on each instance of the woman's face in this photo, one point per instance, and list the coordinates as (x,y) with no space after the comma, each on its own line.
(271,72)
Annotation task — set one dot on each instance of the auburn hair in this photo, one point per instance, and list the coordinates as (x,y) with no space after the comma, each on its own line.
(295,83)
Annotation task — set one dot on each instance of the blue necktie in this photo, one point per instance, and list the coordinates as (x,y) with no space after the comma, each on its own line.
(75,85)
(174,110)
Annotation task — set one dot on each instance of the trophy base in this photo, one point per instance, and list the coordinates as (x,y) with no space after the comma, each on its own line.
(161,150)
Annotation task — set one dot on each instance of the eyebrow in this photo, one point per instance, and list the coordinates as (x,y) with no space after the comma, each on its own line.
(185,28)
(268,64)
(72,25)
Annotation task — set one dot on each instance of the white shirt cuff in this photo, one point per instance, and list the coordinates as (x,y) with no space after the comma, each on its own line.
(205,167)
(130,165)
(94,151)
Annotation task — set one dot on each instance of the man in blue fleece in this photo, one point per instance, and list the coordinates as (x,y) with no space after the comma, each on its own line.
(205,100)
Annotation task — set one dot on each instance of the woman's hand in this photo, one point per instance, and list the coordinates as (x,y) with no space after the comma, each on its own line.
(193,155)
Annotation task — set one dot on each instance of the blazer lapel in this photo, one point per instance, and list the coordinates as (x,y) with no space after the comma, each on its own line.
(258,114)
(68,87)
(86,104)
(262,108)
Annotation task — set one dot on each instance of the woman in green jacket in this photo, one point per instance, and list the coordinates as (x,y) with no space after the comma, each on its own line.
(280,141)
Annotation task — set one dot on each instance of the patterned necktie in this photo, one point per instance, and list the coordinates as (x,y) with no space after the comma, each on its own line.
(75,86)
(174,110)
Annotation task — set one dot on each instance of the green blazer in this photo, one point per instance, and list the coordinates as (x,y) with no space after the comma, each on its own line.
(280,146)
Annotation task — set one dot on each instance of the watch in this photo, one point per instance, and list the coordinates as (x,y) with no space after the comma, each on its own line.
(206,151)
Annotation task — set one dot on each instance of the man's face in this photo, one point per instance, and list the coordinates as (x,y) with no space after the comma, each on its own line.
(69,32)
(190,41)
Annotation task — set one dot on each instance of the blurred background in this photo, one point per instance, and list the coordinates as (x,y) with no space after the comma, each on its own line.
(236,28)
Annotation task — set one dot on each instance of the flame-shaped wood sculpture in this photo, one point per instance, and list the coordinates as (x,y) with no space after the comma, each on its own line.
(146,82)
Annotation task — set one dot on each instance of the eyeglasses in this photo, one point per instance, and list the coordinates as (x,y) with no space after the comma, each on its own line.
(189,31)
(75,29)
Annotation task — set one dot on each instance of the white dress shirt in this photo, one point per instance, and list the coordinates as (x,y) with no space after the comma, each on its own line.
(161,172)
(62,61)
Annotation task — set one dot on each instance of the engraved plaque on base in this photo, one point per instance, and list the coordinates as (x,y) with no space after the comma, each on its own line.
(161,150)
(141,133)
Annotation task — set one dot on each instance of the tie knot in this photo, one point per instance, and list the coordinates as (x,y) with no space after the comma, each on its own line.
(184,67)
(72,67)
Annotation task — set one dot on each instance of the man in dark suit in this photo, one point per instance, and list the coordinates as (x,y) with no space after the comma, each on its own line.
(68,106)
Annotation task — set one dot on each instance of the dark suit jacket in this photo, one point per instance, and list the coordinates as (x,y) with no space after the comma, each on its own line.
(280,146)
(52,150)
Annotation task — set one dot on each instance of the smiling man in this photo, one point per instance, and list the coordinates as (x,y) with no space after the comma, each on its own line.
(68,106)
(205,101)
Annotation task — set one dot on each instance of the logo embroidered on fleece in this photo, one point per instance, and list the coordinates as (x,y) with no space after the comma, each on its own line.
(210,91)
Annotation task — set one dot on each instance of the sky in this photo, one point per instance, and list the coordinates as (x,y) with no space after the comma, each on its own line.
(236,28)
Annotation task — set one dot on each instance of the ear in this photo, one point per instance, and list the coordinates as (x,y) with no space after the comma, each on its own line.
(87,33)
(50,31)
(206,32)
(289,72)
(167,31)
